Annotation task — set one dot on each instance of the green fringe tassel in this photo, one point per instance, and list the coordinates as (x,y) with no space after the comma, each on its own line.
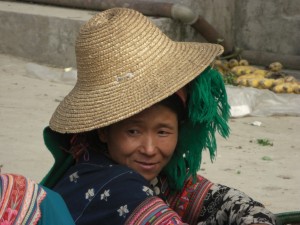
(208,112)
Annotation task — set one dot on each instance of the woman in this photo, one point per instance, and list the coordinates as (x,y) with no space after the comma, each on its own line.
(136,123)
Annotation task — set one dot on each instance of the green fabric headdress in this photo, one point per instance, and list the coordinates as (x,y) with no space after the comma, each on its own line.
(208,112)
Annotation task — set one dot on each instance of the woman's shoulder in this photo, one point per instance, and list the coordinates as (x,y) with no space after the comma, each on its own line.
(98,174)
(93,166)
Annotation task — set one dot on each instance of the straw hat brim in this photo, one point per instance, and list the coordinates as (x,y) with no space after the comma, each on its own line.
(85,109)
(98,103)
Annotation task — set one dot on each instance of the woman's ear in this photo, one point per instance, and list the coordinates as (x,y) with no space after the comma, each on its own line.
(102,134)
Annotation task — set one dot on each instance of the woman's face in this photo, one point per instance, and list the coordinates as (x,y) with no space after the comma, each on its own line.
(144,142)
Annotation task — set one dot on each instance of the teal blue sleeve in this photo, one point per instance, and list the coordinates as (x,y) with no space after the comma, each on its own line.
(54,210)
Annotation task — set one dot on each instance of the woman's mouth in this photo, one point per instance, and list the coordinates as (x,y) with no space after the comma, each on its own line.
(146,165)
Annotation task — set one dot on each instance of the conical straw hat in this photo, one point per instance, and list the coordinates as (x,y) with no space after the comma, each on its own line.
(125,64)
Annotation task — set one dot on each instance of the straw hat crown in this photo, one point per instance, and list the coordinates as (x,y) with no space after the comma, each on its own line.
(125,64)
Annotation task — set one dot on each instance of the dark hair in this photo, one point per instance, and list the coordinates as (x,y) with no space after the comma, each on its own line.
(175,103)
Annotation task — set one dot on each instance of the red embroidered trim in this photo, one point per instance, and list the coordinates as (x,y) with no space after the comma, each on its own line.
(153,211)
(189,202)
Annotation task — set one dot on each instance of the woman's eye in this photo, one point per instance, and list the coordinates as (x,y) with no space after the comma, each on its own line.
(133,132)
(163,133)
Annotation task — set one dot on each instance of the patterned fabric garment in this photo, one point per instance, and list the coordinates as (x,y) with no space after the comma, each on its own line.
(20,200)
(98,191)
(205,203)
(224,205)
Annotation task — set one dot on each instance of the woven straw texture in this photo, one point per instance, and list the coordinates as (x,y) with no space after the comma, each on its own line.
(125,64)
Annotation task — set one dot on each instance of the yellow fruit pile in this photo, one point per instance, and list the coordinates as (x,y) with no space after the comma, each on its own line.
(241,73)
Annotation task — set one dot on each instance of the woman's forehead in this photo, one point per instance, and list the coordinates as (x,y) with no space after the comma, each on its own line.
(150,115)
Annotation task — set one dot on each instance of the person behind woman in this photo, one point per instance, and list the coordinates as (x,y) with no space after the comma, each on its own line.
(23,201)
(143,109)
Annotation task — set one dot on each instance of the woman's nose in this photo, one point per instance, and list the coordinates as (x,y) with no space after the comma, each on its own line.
(148,146)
